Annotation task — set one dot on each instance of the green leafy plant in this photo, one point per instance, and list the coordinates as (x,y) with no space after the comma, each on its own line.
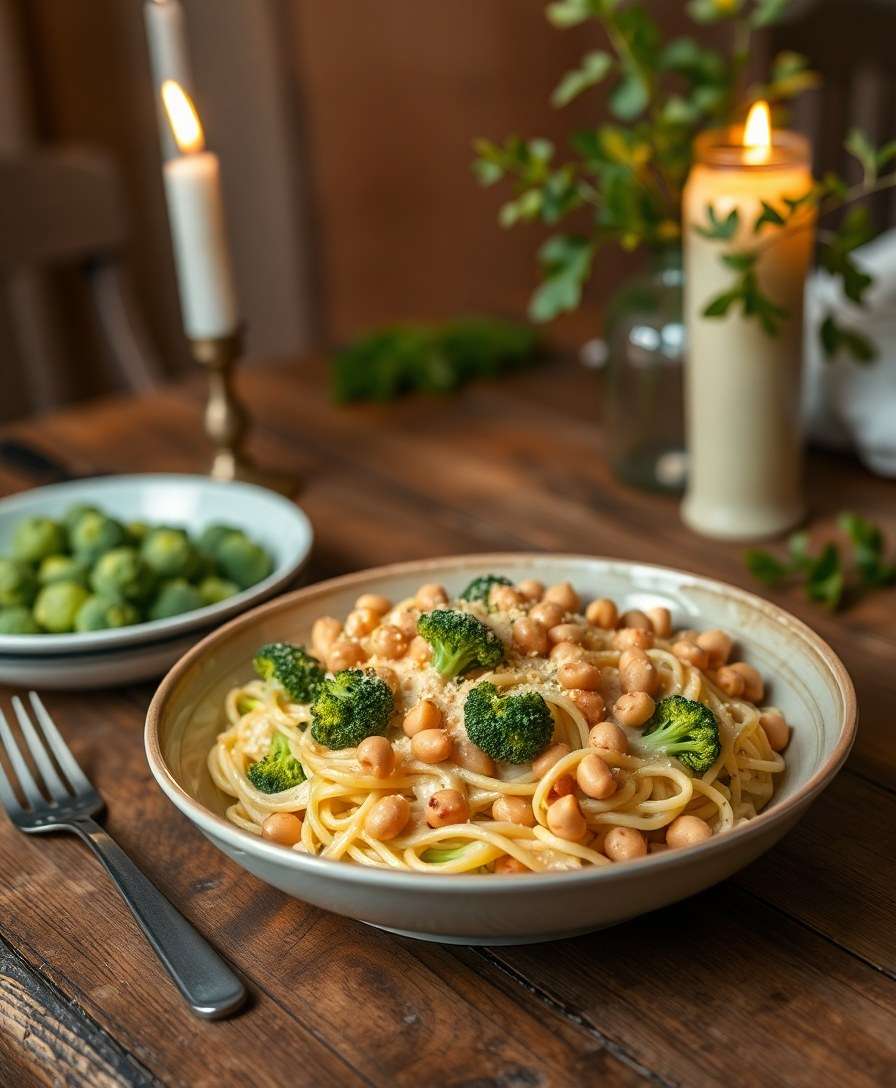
(623,182)
(429,358)
(823,574)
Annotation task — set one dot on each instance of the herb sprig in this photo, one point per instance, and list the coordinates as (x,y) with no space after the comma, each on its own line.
(825,577)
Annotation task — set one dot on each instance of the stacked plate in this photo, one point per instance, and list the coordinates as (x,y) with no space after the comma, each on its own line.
(130,654)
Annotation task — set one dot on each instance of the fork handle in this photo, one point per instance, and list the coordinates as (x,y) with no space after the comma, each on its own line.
(210,987)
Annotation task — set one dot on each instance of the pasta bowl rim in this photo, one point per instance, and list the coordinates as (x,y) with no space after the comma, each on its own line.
(219,827)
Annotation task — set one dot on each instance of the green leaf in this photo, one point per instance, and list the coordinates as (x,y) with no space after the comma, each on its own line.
(713,11)
(593,69)
(769,214)
(825,581)
(525,207)
(798,549)
(564,13)
(566,265)
(630,97)
(720,229)
(486,172)
(860,147)
(767,12)
(868,550)
(740,262)
(721,304)
(836,338)
(886,154)
(764,566)
(829,334)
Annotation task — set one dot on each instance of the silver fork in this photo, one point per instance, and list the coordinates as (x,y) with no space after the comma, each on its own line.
(205,980)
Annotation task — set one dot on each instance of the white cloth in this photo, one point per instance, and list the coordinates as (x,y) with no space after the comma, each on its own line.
(849,404)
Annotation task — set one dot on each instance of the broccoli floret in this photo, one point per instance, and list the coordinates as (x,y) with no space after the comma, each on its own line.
(121,575)
(58,604)
(61,568)
(18,586)
(18,621)
(213,536)
(480,588)
(279,770)
(35,538)
(213,590)
(137,532)
(685,729)
(459,641)
(510,728)
(243,561)
(94,534)
(351,706)
(99,614)
(174,598)
(169,553)
(297,672)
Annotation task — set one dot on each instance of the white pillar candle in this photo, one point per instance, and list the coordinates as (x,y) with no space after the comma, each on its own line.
(196,215)
(742,385)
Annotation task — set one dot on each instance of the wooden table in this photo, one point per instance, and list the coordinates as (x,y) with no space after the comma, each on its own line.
(784,975)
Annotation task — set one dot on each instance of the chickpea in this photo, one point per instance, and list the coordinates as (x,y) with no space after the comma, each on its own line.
(547,613)
(776,729)
(513,810)
(406,622)
(324,633)
(591,704)
(432,745)
(595,778)
(660,620)
(608,737)
(530,637)
(419,650)
(376,756)
(567,651)
(425,715)
(624,844)
(283,828)
(361,622)
(543,763)
(687,831)
(602,613)
(389,641)
(564,785)
(717,645)
(636,618)
(387,817)
(344,654)
(634,708)
(430,596)
(503,598)
(564,595)
(565,819)
(633,638)
(730,681)
(567,632)
(374,602)
(754,688)
(507,866)
(390,676)
(637,672)
(531,590)
(691,654)
(447,807)
(579,674)
(472,758)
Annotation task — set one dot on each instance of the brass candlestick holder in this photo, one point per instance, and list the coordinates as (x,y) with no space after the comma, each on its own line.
(226,420)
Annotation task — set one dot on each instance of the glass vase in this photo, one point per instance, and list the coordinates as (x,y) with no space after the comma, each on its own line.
(643,393)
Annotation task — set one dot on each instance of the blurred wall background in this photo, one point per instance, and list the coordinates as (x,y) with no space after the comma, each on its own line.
(345,134)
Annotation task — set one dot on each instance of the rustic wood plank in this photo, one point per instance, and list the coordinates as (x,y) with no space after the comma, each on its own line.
(46,1040)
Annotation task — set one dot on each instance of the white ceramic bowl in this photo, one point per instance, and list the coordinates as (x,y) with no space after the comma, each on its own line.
(807,681)
(191,501)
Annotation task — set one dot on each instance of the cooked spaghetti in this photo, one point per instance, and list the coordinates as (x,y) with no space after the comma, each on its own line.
(599,737)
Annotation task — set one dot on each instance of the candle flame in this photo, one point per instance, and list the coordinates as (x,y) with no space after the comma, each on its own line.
(757,138)
(183,118)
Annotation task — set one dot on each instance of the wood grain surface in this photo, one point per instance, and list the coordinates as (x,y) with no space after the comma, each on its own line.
(783,975)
